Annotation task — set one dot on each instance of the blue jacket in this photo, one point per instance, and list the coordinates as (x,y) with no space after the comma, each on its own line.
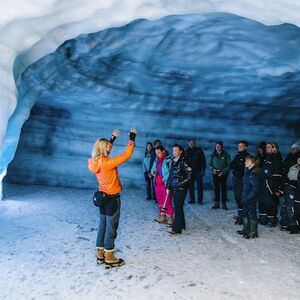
(252,187)
(146,162)
(165,167)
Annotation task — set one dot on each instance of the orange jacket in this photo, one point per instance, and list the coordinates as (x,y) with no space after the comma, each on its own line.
(106,170)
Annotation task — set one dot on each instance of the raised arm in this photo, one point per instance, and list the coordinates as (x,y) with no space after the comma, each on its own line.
(120,159)
(114,135)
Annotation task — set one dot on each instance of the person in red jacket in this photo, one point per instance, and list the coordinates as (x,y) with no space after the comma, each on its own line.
(105,169)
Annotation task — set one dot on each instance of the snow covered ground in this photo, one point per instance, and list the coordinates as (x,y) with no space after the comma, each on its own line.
(47,238)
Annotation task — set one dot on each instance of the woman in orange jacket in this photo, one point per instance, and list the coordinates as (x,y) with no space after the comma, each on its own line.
(105,169)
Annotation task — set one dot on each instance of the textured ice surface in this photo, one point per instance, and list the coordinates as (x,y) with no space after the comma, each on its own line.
(39,27)
(47,250)
(213,76)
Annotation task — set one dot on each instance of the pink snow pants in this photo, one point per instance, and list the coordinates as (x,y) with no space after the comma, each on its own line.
(160,192)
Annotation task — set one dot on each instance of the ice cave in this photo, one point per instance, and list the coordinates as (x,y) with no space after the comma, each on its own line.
(71,72)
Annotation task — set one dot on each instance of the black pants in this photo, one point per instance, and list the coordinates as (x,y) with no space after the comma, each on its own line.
(272,206)
(220,183)
(237,190)
(149,186)
(263,218)
(179,221)
(198,177)
(296,210)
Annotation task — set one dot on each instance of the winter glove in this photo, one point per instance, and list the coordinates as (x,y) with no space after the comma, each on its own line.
(112,139)
(114,135)
(132,134)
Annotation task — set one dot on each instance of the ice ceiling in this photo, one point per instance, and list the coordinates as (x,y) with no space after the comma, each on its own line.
(33,30)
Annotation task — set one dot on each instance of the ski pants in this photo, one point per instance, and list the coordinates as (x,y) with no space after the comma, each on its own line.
(296,211)
(160,191)
(286,211)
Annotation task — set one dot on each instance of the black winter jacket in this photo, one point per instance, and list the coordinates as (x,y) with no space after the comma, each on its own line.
(180,174)
(297,195)
(196,159)
(272,167)
(238,164)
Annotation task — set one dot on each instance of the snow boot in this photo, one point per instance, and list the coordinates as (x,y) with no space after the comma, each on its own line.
(170,221)
(224,206)
(100,255)
(216,205)
(253,230)
(161,219)
(284,228)
(294,229)
(272,221)
(246,227)
(111,261)
(263,219)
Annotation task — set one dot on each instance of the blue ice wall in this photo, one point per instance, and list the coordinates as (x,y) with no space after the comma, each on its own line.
(210,76)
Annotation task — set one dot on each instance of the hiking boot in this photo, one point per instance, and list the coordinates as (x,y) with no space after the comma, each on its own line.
(173,233)
(111,261)
(161,219)
(170,221)
(191,202)
(100,255)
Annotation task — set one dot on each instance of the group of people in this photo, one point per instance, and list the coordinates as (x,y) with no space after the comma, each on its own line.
(168,178)
(259,180)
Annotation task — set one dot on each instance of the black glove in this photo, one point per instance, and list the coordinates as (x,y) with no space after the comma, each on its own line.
(112,139)
(132,136)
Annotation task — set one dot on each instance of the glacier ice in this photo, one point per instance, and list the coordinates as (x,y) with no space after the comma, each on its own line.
(213,76)
(38,28)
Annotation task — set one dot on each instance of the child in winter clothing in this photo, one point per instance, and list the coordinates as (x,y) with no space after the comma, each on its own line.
(251,194)
(146,169)
(160,171)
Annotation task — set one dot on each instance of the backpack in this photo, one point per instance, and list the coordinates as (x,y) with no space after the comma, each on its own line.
(293,172)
